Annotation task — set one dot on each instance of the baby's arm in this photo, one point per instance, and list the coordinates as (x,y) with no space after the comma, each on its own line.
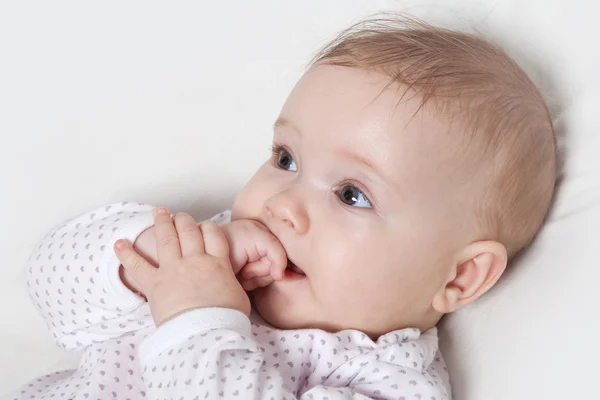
(76,281)
(73,277)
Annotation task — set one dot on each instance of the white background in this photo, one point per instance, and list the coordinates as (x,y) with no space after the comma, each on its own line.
(172,103)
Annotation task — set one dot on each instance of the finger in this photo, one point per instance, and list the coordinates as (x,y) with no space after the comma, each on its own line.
(277,257)
(190,237)
(215,242)
(269,248)
(137,266)
(237,251)
(167,242)
(255,283)
(254,269)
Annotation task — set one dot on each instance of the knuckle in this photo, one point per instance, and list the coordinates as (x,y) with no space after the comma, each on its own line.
(210,226)
(166,241)
(188,228)
(125,257)
(136,264)
(130,259)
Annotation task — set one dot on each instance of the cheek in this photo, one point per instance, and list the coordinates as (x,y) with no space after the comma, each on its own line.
(243,205)
(249,202)
(350,261)
(366,270)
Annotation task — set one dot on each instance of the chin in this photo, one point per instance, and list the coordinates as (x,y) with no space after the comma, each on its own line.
(276,312)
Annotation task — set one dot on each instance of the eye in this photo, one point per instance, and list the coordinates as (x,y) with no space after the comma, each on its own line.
(352,196)
(283,159)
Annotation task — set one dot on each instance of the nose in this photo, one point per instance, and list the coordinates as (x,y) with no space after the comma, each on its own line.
(288,209)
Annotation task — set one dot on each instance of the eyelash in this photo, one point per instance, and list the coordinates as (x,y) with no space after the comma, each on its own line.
(276,150)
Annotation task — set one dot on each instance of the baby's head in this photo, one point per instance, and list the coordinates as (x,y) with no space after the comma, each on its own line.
(409,165)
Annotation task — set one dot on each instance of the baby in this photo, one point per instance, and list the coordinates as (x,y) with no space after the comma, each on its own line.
(409,164)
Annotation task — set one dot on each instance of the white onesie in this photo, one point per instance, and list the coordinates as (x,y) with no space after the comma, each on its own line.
(212,353)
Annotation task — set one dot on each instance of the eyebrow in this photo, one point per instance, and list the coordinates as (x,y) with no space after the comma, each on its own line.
(348,155)
(285,123)
(357,158)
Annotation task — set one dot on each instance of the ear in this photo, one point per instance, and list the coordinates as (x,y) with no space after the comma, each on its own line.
(478,268)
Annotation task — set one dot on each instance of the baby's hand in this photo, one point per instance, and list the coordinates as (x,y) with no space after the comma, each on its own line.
(194,270)
(256,255)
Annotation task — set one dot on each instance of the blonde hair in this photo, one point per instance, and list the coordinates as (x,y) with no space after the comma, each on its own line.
(467,76)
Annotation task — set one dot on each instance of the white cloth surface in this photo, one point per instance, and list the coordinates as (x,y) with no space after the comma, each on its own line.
(73,280)
(173,104)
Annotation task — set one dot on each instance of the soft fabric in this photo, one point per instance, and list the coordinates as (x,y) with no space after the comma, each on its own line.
(211,353)
(174,104)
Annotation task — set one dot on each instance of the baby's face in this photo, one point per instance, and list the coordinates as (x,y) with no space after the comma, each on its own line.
(360,194)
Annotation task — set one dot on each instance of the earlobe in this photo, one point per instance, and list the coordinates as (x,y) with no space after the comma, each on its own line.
(477,269)
(444,302)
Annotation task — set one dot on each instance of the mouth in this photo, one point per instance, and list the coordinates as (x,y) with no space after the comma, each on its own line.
(294,267)
(293,272)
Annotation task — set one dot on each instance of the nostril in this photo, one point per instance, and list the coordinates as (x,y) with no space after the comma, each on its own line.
(286,211)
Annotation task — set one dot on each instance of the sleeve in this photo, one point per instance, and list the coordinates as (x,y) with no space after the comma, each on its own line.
(209,353)
(73,277)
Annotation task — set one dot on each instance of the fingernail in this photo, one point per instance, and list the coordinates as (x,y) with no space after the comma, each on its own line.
(160,211)
(119,244)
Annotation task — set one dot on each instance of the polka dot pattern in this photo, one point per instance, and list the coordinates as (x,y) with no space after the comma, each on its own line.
(305,364)
(70,286)
(71,280)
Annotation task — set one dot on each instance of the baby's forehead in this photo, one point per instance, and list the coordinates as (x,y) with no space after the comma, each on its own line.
(360,111)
